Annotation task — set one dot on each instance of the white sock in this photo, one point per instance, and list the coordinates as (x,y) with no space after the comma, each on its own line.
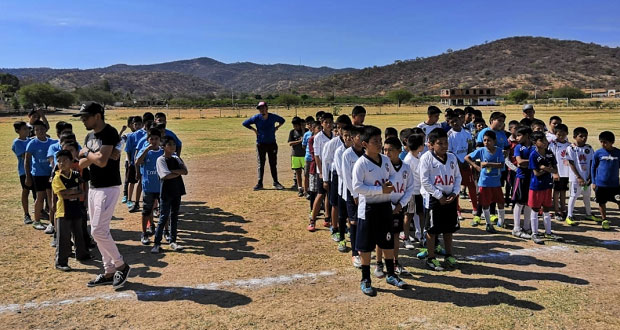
(487,215)
(502,216)
(416,223)
(573,198)
(547,222)
(516,213)
(534,221)
(527,218)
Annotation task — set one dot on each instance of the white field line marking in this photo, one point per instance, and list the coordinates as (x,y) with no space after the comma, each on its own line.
(183,291)
(522,252)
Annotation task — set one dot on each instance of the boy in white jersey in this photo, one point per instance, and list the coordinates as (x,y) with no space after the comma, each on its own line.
(551,134)
(327,122)
(345,134)
(579,156)
(560,180)
(461,143)
(349,158)
(430,124)
(415,208)
(441,180)
(371,175)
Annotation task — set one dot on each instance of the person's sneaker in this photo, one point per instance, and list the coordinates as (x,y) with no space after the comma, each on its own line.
(593,218)
(460,216)
(311,227)
(558,217)
(399,269)
(396,281)
(156,212)
(64,268)
(440,250)
(356,261)
(423,253)
(176,247)
(300,193)
(379,270)
(145,239)
(278,186)
(367,288)
(336,237)
(135,207)
(342,246)
(124,200)
(37,225)
(120,277)
(401,236)
(50,229)
(525,235)
(167,236)
(571,221)
(156,248)
(434,264)
(100,280)
(491,229)
(494,218)
(27,219)
(408,244)
(476,221)
(150,231)
(605,224)
(258,186)
(327,223)
(554,237)
(308,196)
(536,238)
(129,205)
(451,261)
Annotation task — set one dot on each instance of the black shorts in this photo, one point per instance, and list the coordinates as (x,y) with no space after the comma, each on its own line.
(41,183)
(376,229)
(606,194)
(342,209)
(416,205)
(131,174)
(22,180)
(441,219)
(399,219)
(148,202)
(333,190)
(351,207)
(321,189)
(521,190)
(560,185)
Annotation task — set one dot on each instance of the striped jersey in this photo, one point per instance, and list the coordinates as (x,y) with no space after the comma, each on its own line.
(439,178)
(368,176)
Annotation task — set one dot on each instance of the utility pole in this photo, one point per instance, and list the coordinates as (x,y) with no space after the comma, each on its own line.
(232,97)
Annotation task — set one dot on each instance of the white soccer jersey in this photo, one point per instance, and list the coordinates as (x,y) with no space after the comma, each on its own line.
(403,180)
(559,151)
(327,157)
(337,167)
(439,178)
(458,143)
(427,129)
(319,141)
(414,165)
(550,137)
(368,177)
(349,158)
(582,158)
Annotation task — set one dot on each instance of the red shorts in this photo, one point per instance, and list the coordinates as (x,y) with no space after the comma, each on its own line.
(466,176)
(489,195)
(538,198)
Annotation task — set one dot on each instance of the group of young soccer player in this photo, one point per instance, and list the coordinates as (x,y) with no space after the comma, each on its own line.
(50,169)
(379,191)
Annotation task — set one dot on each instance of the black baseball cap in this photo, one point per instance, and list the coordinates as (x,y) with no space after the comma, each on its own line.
(89,108)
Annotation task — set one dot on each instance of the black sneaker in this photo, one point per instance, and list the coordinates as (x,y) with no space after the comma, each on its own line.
(120,277)
(258,186)
(278,186)
(100,280)
(134,208)
(64,268)
(145,239)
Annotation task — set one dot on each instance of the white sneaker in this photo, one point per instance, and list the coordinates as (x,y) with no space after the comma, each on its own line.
(156,248)
(49,230)
(409,245)
(357,261)
(175,247)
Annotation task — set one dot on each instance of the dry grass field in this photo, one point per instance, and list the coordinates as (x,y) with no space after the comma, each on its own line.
(250,263)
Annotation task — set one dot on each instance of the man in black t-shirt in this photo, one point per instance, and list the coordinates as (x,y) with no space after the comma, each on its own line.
(101,154)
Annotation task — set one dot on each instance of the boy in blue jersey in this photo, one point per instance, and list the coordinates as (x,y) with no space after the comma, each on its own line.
(605,180)
(521,185)
(62,128)
(160,118)
(307,157)
(146,160)
(19,149)
(39,170)
(134,143)
(130,169)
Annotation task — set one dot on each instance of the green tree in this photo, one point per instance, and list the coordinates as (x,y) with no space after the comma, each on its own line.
(93,94)
(304,98)
(15,103)
(518,95)
(8,83)
(288,100)
(400,96)
(105,85)
(568,92)
(40,94)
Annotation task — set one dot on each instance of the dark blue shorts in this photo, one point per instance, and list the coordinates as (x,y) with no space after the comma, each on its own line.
(351,207)
(333,190)
(376,229)
(148,202)
(442,219)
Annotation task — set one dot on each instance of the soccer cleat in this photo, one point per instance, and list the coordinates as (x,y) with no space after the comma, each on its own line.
(379,270)
(311,227)
(476,221)
(440,250)
(100,280)
(367,288)
(129,205)
(64,268)
(357,261)
(144,239)
(593,218)
(434,264)
(570,221)
(50,229)
(38,226)
(558,217)
(605,224)
(401,236)
(494,218)
(336,237)
(278,186)
(554,237)
(327,222)
(300,193)
(120,277)
(135,207)
(536,238)
(521,234)
(490,229)
(395,281)
(156,249)
(258,186)
(176,247)
(451,261)
(27,219)
(460,216)
(408,244)
(423,253)
(124,200)
(342,246)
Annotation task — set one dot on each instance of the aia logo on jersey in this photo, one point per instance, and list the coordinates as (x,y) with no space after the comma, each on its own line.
(445,180)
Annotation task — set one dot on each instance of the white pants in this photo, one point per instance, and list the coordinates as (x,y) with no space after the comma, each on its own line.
(101,203)
(575,191)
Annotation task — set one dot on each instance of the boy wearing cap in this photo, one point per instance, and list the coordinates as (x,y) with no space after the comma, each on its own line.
(265,131)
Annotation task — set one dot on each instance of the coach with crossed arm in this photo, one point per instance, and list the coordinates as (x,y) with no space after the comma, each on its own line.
(265,131)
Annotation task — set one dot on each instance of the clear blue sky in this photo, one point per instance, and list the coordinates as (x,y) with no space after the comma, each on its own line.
(87,34)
